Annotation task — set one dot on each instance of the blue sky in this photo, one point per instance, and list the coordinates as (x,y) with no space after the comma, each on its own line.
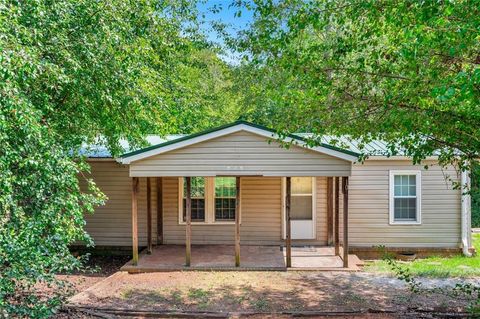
(225,15)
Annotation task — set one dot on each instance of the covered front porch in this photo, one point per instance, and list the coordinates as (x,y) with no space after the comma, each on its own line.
(288,251)
(254,258)
(237,197)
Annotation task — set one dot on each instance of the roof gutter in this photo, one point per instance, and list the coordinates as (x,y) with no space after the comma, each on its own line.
(466,214)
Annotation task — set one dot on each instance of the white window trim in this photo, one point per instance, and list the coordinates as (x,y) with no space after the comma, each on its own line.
(209,204)
(225,222)
(180,203)
(314,207)
(418,182)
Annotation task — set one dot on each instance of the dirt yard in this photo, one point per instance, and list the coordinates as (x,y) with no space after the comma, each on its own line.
(266,292)
(99,268)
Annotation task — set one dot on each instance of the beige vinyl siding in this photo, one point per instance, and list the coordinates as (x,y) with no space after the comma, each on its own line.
(321,211)
(111,224)
(262,206)
(369,207)
(260,215)
(241,154)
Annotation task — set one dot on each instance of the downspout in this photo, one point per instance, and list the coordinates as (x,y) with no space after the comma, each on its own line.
(466,214)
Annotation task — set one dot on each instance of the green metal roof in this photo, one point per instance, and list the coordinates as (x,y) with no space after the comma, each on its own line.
(219,128)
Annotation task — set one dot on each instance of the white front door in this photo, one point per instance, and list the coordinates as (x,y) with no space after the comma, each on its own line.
(302,207)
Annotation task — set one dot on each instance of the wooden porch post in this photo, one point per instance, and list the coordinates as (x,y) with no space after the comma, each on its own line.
(237,223)
(149,217)
(134,221)
(159,210)
(188,220)
(337,217)
(329,211)
(345,221)
(288,234)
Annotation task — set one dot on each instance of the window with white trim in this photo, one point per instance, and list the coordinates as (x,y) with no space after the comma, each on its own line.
(225,198)
(213,199)
(198,187)
(405,197)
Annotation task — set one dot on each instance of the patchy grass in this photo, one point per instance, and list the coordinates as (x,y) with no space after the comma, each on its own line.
(260,292)
(438,267)
(261,304)
(200,297)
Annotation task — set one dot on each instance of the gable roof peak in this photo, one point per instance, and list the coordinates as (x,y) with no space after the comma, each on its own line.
(239,125)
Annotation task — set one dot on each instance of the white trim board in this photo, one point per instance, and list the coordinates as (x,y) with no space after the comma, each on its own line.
(209,204)
(418,185)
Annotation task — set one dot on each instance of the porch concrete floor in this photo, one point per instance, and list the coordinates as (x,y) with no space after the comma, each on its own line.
(222,257)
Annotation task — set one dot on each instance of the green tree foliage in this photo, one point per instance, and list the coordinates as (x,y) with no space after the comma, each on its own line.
(75,72)
(203,94)
(41,211)
(407,72)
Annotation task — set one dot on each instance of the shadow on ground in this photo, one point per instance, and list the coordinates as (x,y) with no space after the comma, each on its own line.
(260,292)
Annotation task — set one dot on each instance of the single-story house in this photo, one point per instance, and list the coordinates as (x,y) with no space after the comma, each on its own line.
(242,185)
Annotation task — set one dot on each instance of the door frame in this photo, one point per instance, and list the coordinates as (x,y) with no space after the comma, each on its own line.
(314,207)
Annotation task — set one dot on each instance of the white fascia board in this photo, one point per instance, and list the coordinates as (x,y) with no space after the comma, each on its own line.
(230,130)
(101,159)
(397,158)
(299,142)
(174,146)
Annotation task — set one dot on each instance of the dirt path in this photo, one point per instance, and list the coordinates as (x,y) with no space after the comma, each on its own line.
(262,292)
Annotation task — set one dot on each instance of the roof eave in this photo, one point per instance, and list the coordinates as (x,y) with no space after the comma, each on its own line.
(228,129)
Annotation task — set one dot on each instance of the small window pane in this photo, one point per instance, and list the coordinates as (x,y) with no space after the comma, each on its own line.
(301,208)
(398,179)
(398,190)
(301,185)
(413,190)
(413,180)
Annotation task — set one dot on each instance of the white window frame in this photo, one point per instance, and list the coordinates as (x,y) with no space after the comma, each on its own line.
(209,203)
(418,183)
(314,207)
(180,202)
(225,222)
